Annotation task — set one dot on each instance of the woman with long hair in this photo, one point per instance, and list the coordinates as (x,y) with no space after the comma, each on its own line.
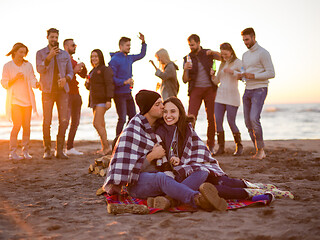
(167,71)
(228,97)
(100,84)
(19,79)
(188,155)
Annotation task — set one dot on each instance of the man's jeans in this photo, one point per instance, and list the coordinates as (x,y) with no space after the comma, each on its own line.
(208,95)
(219,111)
(155,184)
(48,100)
(253,100)
(124,106)
(74,113)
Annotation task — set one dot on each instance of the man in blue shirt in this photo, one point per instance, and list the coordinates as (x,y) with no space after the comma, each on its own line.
(55,68)
(121,64)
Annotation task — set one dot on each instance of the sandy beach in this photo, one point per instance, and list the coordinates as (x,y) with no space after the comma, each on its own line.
(55,199)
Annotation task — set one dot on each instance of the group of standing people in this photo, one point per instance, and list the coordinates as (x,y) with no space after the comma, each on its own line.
(255,70)
(58,84)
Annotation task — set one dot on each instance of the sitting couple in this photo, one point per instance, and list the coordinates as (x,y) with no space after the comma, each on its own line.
(161,138)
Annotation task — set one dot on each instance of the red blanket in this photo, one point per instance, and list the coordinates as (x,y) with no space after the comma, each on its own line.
(125,199)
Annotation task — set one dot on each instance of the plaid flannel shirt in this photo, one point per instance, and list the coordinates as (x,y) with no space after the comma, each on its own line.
(133,145)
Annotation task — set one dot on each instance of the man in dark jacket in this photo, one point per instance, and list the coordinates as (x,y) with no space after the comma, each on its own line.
(196,72)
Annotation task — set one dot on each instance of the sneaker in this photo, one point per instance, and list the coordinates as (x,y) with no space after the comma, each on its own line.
(271,197)
(73,151)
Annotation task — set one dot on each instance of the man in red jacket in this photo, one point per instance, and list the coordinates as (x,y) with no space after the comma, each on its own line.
(75,101)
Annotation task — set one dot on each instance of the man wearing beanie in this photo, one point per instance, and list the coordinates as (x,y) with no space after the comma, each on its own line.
(133,162)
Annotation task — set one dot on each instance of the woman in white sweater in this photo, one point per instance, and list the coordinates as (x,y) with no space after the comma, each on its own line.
(228,97)
(18,78)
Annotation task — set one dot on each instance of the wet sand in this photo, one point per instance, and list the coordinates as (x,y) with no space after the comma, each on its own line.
(55,199)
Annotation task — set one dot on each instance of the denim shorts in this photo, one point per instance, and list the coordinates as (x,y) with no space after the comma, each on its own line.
(97,105)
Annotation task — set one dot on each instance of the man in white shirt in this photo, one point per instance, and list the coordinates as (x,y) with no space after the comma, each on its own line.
(258,69)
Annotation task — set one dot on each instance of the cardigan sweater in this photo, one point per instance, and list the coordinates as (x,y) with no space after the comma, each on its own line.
(228,92)
(169,85)
(10,70)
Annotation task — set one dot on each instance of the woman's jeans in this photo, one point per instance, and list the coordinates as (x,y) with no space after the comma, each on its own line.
(21,116)
(253,101)
(219,111)
(155,184)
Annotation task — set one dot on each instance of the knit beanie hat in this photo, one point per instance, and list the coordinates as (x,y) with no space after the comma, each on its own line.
(145,100)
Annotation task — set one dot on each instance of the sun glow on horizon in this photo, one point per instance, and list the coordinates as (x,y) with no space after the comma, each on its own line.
(295,56)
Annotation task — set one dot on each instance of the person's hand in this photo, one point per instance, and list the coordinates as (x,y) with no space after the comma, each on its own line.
(141,37)
(53,52)
(212,72)
(38,85)
(129,81)
(112,189)
(62,82)
(175,161)
(156,153)
(151,61)
(19,76)
(239,76)
(228,70)
(108,105)
(187,66)
(88,79)
(248,75)
(78,68)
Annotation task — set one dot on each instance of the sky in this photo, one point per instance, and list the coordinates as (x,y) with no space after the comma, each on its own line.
(288,29)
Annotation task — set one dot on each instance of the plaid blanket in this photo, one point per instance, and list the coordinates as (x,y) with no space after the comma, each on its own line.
(196,156)
(132,147)
(138,139)
(126,199)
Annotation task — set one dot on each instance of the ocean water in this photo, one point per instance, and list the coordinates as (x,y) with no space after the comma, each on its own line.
(279,121)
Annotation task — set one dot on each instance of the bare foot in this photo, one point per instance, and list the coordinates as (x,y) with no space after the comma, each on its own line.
(260,154)
(107,151)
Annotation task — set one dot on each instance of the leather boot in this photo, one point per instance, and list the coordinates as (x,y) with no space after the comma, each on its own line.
(59,148)
(47,149)
(220,136)
(239,147)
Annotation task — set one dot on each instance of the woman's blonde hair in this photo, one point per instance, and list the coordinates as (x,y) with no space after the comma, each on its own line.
(163,57)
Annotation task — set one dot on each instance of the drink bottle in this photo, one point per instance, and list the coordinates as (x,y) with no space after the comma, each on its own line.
(214,66)
(189,60)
